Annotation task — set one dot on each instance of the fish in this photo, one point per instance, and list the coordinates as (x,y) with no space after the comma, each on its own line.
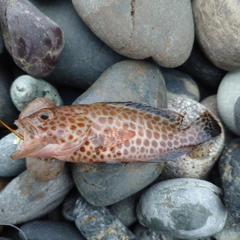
(110,132)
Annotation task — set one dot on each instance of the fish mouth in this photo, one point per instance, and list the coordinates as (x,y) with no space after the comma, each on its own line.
(28,146)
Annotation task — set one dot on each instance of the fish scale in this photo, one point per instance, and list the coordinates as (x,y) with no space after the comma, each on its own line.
(111,132)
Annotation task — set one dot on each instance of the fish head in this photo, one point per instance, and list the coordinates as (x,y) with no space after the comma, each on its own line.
(49,132)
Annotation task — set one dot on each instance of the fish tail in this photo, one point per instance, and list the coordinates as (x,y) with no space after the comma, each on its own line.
(205,127)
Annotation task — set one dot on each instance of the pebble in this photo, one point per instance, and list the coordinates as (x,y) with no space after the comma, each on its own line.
(229,168)
(9,167)
(26,88)
(105,184)
(180,85)
(84,57)
(26,198)
(199,162)
(228,101)
(50,230)
(98,223)
(129,80)
(159,30)
(219,44)
(34,40)
(69,205)
(201,69)
(192,208)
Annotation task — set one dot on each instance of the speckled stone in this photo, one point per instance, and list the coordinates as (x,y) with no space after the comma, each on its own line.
(139,30)
(34,40)
(68,207)
(180,85)
(228,101)
(217,23)
(105,184)
(26,198)
(199,162)
(229,168)
(84,57)
(129,80)
(98,223)
(26,88)
(201,69)
(125,210)
(9,167)
(50,230)
(191,208)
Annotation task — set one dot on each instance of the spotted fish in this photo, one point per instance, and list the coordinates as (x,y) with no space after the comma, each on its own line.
(111,132)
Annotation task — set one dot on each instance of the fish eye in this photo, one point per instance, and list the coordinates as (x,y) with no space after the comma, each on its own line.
(44,116)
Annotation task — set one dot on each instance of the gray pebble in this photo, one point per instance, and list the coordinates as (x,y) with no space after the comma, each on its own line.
(105,184)
(50,230)
(9,167)
(180,85)
(183,208)
(26,198)
(26,88)
(98,223)
(68,207)
(228,101)
(199,162)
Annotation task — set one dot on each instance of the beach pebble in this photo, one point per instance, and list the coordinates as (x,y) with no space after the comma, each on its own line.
(180,85)
(26,198)
(125,210)
(98,223)
(50,230)
(201,69)
(34,40)
(199,162)
(229,167)
(219,44)
(69,205)
(129,80)
(9,167)
(192,208)
(139,30)
(105,184)
(84,57)
(228,101)
(26,88)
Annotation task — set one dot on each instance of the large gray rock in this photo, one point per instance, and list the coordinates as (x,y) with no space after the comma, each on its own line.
(139,29)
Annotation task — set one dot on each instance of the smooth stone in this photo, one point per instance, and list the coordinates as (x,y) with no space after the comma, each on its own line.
(34,40)
(180,85)
(229,168)
(230,230)
(125,210)
(98,223)
(183,208)
(105,184)
(199,162)
(9,167)
(1,43)
(50,230)
(26,198)
(201,69)
(228,101)
(84,57)
(139,30)
(129,80)
(216,24)
(68,207)
(44,168)
(210,103)
(26,88)
(8,112)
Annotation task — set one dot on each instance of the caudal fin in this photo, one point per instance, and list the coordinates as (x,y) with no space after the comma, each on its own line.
(206,127)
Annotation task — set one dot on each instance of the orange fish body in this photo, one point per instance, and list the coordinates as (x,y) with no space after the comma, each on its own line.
(111,132)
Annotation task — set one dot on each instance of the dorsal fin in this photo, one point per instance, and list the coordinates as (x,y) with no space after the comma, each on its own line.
(174,117)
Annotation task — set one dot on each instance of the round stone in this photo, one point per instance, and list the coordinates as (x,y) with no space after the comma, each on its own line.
(228,101)
(191,208)
(220,44)
(139,30)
